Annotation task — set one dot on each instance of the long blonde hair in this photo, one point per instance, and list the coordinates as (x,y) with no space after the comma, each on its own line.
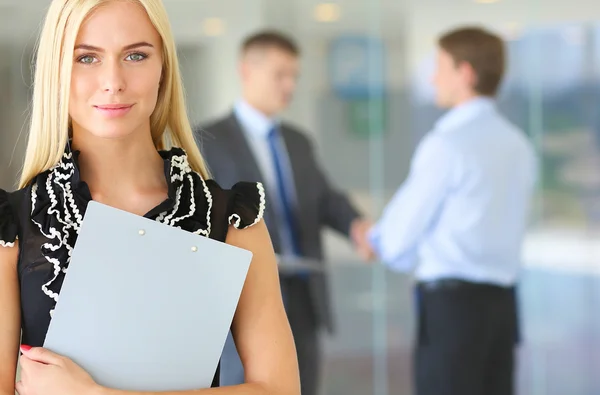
(49,129)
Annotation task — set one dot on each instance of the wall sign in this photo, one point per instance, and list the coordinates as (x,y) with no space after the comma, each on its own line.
(357,67)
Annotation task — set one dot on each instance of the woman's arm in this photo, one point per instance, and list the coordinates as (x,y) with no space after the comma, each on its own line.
(10,331)
(260,328)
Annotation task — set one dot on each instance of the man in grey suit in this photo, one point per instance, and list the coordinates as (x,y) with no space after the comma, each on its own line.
(252,144)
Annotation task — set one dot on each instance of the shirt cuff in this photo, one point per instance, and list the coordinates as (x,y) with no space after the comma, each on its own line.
(373,236)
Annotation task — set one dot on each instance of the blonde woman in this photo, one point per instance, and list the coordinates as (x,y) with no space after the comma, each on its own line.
(109,125)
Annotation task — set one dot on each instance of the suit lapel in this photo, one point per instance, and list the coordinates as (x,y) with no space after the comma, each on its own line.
(241,152)
(249,170)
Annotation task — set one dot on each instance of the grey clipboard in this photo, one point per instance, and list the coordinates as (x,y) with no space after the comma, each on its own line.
(145,306)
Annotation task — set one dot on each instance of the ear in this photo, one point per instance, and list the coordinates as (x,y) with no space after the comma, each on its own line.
(468,73)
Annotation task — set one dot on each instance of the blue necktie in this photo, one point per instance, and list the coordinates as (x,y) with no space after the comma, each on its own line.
(285,196)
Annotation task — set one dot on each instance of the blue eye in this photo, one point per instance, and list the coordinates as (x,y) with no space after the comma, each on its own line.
(86,59)
(136,57)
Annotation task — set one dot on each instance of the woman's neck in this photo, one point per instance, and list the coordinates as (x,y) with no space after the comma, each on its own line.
(126,173)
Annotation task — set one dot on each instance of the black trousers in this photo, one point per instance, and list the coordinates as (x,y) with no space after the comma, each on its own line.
(466,339)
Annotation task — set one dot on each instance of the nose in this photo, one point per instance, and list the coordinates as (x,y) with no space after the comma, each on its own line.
(113,78)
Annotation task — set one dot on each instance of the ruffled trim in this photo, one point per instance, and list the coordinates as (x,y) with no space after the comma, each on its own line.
(8,224)
(184,179)
(8,244)
(59,200)
(57,214)
(249,204)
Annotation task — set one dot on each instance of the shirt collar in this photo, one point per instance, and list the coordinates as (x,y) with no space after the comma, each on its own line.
(464,112)
(253,121)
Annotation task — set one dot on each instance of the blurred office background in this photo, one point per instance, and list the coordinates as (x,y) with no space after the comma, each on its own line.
(365,97)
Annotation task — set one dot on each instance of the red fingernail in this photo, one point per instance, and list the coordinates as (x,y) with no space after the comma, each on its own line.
(25,347)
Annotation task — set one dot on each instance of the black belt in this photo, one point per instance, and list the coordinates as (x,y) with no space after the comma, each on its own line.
(451,283)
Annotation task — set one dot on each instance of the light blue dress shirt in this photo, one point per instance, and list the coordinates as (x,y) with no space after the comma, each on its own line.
(463,210)
(256,127)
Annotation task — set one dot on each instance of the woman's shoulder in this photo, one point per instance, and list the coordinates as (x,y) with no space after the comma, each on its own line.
(19,206)
(13,205)
(203,206)
(243,205)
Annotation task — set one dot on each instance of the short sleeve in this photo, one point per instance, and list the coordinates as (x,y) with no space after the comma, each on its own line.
(8,222)
(247,204)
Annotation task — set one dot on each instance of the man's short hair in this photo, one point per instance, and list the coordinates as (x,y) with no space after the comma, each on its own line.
(267,39)
(483,50)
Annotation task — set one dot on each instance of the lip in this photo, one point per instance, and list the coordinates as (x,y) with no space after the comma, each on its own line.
(113,110)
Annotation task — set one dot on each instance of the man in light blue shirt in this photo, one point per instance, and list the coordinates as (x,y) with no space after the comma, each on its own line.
(459,221)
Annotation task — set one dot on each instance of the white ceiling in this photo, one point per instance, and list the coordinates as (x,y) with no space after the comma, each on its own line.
(360,14)
(23,17)
(386,17)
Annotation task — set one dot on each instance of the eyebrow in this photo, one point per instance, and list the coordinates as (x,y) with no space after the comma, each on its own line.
(126,48)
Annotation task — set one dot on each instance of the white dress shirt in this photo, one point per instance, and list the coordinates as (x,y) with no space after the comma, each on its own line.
(463,210)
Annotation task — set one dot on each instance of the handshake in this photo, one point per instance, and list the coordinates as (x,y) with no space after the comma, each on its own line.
(359,234)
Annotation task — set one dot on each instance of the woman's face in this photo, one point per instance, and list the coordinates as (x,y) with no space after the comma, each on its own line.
(117,67)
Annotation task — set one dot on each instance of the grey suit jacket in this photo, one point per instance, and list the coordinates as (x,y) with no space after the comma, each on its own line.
(230,159)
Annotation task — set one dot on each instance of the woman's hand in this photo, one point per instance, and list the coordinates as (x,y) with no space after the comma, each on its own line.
(44,372)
